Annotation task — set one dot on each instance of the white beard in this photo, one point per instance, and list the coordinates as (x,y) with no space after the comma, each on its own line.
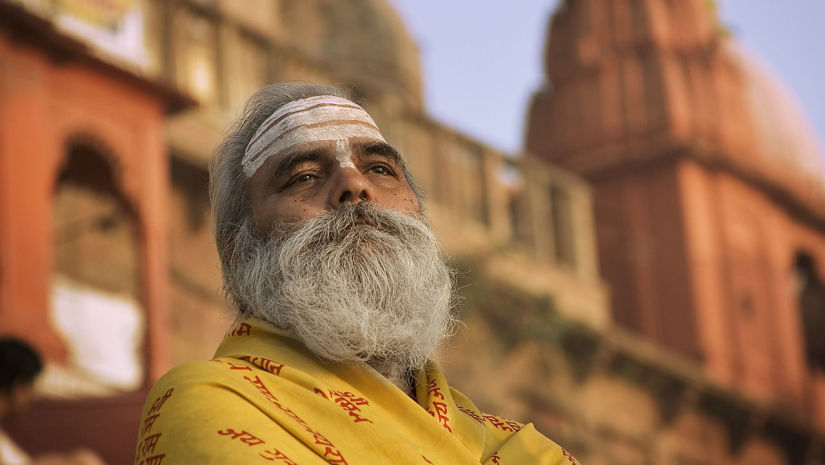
(360,283)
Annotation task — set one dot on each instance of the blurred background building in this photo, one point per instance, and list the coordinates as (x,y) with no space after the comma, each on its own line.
(644,283)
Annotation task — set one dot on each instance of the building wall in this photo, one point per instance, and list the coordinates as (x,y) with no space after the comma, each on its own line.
(742,247)
(610,398)
(45,106)
(82,201)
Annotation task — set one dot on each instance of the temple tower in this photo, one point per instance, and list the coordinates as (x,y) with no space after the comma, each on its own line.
(708,184)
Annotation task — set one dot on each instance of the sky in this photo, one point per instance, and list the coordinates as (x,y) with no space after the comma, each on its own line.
(481,59)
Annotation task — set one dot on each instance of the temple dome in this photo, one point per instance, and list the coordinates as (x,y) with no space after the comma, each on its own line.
(782,131)
(364,42)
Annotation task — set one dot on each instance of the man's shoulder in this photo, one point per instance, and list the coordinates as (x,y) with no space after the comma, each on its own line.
(203,412)
(190,383)
(511,438)
(191,374)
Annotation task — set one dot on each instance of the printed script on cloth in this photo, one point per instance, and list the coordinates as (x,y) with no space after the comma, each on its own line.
(265,399)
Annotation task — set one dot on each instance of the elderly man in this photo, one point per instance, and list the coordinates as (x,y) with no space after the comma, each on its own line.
(342,296)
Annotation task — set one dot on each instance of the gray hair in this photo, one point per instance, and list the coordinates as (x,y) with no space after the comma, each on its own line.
(228,184)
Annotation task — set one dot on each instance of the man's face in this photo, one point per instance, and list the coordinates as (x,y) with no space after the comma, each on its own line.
(333,154)
(319,170)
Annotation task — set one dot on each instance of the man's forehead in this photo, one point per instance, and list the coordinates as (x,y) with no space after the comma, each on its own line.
(307,121)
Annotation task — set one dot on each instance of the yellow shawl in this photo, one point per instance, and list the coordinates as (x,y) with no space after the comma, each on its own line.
(265,399)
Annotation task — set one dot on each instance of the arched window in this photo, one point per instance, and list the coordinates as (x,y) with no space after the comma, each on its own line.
(810,295)
(95,296)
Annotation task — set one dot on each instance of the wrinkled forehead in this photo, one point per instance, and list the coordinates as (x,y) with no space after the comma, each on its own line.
(312,119)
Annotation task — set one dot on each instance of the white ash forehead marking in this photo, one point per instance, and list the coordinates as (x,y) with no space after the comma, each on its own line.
(343,153)
(314,119)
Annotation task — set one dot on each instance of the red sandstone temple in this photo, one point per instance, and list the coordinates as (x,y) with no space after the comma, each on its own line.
(709,191)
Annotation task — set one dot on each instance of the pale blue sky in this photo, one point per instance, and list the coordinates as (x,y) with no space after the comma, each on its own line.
(481,59)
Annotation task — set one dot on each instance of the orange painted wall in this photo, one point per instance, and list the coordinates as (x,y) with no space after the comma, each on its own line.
(43,103)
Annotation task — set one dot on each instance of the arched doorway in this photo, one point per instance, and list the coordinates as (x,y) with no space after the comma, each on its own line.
(810,299)
(95,288)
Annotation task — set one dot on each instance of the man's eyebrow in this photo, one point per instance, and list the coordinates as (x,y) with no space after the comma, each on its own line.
(294,159)
(381,148)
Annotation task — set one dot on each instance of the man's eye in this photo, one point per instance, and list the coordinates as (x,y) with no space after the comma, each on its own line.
(381,169)
(301,179)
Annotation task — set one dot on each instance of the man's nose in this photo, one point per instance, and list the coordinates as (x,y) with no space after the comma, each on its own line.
(350,186)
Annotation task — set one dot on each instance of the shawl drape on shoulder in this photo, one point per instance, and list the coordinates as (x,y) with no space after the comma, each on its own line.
(265,399)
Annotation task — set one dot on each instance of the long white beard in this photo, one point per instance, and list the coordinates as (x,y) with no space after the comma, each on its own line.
(360,283)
